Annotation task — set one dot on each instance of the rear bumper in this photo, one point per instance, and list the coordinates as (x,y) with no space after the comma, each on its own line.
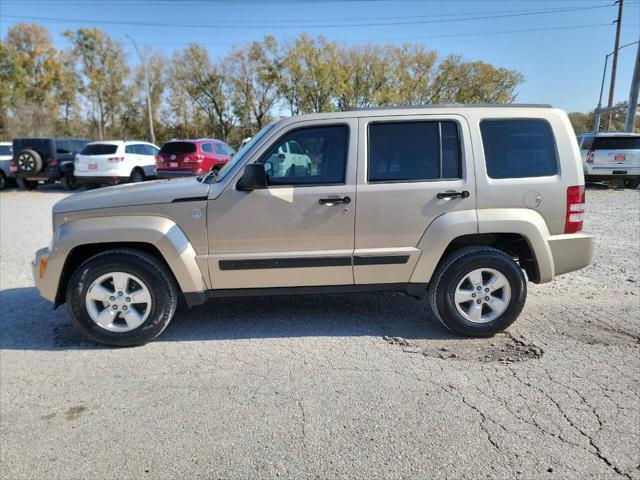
(99,178)
(571,252)
(610,172)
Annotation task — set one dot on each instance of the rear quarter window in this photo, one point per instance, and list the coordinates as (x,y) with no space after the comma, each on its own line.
(519,148)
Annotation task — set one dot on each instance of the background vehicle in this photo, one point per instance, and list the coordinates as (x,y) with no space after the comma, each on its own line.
(116,161)
(5,164)
(611,156)
(450,203)
(179,158)
(45,159)
(289,160)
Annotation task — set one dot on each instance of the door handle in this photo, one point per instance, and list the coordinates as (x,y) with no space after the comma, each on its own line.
(334,200)
(462,194)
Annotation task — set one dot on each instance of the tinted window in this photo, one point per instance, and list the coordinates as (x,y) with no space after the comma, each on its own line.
(616,143)
(178,147)
(220,149)
(519,148)
(411,151)
(324,160)
(587,143)
(63,147)
(77,145)
(129,149)
(148,149)
(5,149)
(207,147)
(99,149)
(228,150)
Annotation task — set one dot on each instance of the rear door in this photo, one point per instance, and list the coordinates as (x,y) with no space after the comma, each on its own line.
(617,153)
(403,164)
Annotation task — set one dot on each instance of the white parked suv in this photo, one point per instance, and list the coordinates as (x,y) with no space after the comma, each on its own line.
(116,162)
(6,155)
(611,155)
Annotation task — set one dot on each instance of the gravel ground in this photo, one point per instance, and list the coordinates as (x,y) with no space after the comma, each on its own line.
(351,386)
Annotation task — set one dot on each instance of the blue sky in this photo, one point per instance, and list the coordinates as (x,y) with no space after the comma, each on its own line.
(561,53)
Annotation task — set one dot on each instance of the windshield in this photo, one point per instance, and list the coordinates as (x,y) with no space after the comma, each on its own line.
(616,143)
(242,152)
(178,147)
(99,149)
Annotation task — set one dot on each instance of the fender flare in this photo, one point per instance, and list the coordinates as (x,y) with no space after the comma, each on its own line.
(446,228)
(161,232)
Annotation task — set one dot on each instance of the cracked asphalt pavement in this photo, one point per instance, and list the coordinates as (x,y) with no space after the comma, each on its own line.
(344,386)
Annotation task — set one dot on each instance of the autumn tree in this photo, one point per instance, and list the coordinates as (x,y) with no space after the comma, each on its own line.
(103,68)
(255,76)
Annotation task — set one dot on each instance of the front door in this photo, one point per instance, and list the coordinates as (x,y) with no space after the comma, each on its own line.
(300,230)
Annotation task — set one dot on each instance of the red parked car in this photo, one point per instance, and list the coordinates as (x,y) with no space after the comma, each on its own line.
(179,158)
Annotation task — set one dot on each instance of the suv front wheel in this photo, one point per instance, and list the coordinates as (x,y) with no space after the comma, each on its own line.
(478,291)
(122,297)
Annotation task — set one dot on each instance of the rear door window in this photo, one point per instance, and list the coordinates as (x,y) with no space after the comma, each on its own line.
(413,151)
(616,143)
(178,147)
(63,147)
(220,149)
(99,149)
(519,148)
(130,149)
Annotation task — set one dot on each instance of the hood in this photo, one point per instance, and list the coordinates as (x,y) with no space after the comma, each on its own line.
(147,193)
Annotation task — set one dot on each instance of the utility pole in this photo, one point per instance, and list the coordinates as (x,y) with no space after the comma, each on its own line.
(632,106)
(146,79)
(614,65)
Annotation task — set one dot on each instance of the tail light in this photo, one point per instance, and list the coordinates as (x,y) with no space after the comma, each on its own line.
(575,209)
(13,166)
(197,158)
(53,162)
(590,156)
(159,159)
(115,159)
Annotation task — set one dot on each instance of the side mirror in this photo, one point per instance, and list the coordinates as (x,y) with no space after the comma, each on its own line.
(253,178)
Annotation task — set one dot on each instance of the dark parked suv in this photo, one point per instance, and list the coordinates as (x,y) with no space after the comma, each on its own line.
(45,159)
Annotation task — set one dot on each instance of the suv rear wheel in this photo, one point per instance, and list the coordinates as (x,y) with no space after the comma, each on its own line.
(632,182)
(24,184)
(122,297)
(137,176)
(478,291)
(29,161)
(69,181)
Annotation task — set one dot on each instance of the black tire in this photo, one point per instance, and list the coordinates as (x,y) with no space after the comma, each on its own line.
(136,176)
(632,182)
(69,181)
(452,271)
(24,184)
(3,180)
(29,161)
(148,269)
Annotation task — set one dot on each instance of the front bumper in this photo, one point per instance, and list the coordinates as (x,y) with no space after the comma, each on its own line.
(44,279)
(571,252)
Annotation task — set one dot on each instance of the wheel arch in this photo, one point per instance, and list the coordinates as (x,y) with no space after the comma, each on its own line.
(78,240)
(521,233)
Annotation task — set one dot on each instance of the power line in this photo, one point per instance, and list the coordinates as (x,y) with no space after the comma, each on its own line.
(218,24)
(418,37)
(403,17)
